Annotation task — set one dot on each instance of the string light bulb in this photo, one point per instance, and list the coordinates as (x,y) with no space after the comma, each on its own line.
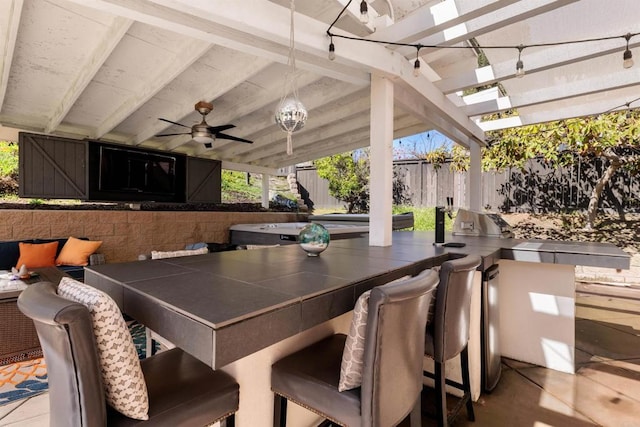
(520,64)
(627,56)
(332,51)
(364,12)
(416,65)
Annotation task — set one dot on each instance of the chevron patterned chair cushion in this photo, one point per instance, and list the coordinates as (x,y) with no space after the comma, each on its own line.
(125,387)
(352,356)
(353,353)
(182,252)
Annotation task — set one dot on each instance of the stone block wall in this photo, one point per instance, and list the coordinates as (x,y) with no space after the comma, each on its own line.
(127,234)
(611,276)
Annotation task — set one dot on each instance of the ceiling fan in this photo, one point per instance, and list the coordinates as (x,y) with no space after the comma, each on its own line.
(202,132)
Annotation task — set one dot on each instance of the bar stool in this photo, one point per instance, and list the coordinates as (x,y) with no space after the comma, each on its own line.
(392,355)
(448,334)
(181,390)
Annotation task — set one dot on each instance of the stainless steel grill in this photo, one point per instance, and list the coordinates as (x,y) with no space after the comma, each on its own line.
(473,223)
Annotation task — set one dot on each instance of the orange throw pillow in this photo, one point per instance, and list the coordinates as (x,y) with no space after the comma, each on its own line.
(36,255)
(77,252)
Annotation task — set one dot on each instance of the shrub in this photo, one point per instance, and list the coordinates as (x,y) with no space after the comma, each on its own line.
(8,168)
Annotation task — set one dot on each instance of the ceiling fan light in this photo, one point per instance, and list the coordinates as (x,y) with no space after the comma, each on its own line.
(204,139)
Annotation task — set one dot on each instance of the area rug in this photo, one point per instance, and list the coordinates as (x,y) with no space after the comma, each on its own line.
(22,380)
(28,378)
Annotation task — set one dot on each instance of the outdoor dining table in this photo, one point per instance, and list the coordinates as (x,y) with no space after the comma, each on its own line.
(237,302)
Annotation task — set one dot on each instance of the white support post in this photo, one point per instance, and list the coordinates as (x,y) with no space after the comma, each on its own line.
(265,190)
(474,184)
(381,178)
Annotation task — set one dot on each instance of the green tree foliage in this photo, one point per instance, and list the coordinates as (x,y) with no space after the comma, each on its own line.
(435,149)
(348,176)
(237,186)
(613,137)
(8,168)
(348,179)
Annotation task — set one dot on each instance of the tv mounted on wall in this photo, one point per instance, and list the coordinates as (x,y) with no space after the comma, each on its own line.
(121,173)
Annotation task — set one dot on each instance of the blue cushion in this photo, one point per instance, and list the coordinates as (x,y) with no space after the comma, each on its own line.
(9,253)
(199,245)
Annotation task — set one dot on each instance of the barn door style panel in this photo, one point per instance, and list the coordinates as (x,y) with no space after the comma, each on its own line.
(204,180)
(51,167)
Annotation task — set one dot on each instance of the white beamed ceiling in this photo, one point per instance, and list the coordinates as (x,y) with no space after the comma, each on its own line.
(108,69)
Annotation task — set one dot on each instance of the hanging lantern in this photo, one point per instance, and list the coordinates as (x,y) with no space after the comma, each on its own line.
(291,115)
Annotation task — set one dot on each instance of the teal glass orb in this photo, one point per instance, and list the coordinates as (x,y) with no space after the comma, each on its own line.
(313,239)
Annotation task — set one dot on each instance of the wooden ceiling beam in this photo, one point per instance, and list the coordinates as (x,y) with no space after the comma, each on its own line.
(331,143)
(330,115)
(572,89)
(88,71)
(502,17)
(542,60)
(8,34)
(263,122)
(428,20)
(242,70)
(188,53)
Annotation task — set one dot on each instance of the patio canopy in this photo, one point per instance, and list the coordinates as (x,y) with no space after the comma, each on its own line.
(108,69)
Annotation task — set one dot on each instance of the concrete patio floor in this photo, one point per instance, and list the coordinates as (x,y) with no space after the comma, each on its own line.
(604,392)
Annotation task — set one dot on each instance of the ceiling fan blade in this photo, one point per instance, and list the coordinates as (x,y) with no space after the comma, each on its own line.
(233,138)
(216,129)
(173,134)
(174,123)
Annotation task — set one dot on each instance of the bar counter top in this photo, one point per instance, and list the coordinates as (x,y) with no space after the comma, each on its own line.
(223,306)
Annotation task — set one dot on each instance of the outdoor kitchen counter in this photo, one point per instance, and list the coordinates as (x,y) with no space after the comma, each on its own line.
(590,254)
(241,310)
(223,292)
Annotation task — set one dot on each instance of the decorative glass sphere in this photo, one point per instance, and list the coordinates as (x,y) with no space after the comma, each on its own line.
(291,115)
(313,239)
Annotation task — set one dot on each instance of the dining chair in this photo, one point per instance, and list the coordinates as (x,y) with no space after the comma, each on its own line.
(388,339)
(181,390)
(448,334)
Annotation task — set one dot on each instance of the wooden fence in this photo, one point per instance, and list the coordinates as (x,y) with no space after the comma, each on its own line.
(539,188)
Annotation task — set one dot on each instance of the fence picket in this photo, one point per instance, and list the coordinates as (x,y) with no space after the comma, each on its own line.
(540,188)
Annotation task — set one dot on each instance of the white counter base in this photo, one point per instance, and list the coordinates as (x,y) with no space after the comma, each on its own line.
(253,373)
(537,313)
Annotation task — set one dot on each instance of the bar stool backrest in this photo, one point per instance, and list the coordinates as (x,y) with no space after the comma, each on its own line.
(76,394)
(394,348)
(453,306)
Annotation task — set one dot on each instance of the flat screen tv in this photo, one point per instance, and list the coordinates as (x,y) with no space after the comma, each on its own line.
(128,174)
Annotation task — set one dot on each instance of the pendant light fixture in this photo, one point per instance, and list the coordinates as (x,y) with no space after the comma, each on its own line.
(627,56)
(291,115)
(519,63)
(364,12)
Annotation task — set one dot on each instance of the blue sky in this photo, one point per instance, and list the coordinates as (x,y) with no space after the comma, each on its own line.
(420,143)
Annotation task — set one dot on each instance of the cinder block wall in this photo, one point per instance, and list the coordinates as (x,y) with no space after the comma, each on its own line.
(127,234)
(610,275)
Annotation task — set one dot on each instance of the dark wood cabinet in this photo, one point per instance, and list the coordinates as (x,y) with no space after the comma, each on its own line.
(61,168)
